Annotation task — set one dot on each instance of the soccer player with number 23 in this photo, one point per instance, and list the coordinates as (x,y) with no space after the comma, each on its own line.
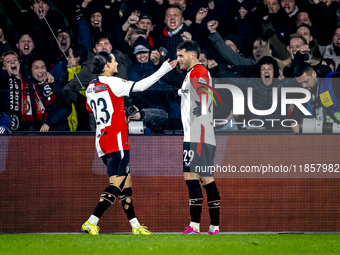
(105,98)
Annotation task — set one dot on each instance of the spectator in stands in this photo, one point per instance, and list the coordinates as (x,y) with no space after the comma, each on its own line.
(319,17)
(169,37)
(291,8)
(142,21)
(266,75)
(55,108)
(18,99)
(58,66)
(101,41)
(77,55)
(25,46)
(172,34)
(306,31)
(270,11)
(99,16)
(332,50)
(34,21)
(298,52)
(229,51)
(159,96)
(132,35)
(95,17)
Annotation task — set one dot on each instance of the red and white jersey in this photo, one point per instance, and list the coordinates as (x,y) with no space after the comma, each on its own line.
(195,87)
(105,98)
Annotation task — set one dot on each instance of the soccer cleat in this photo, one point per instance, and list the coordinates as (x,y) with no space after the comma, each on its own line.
(214,233)
(189,230)
(142,230)
(90,228)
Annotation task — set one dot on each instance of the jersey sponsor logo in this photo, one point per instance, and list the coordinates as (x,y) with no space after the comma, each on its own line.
(185,91)
(202,80)
(100,87)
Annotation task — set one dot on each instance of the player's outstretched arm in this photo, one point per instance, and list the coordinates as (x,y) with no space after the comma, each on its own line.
(152,79)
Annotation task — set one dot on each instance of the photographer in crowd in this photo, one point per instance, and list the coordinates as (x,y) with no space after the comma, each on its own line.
(324,105)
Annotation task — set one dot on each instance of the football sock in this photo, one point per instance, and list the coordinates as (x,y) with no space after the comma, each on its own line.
(126,200)
(213,228)
(134,223)
(93,219)
(195,226)
(106,200)
(196,200)
(214,202)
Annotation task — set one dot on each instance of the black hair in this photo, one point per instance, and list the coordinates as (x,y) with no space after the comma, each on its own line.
(96,37)
(22,33)
(302,68)
(100,61)
(269,61)
(190,46)
(37,58)
(31,2)
(79,50)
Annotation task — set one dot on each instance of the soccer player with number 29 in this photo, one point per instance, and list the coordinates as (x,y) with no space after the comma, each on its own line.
(199,138)
(105,98)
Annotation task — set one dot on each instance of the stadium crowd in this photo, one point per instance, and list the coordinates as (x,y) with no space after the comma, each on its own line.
(47,49)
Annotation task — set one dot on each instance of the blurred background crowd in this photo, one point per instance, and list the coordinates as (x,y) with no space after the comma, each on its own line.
(47,49)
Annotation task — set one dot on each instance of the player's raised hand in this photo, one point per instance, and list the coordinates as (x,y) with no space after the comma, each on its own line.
(212,26)
(173,63)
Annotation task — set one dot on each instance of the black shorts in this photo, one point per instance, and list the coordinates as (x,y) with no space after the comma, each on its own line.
(198,160)
(116,165)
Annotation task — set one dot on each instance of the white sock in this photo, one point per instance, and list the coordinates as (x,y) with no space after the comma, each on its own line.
(93,219)
(213,228)
(134,223)
(195,226)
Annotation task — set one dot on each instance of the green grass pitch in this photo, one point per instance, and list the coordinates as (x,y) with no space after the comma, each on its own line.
(177,244)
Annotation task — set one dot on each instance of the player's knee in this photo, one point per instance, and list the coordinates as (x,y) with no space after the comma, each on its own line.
(207,180)
(125,198)
(195,190)
(213,195)
(110,194)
